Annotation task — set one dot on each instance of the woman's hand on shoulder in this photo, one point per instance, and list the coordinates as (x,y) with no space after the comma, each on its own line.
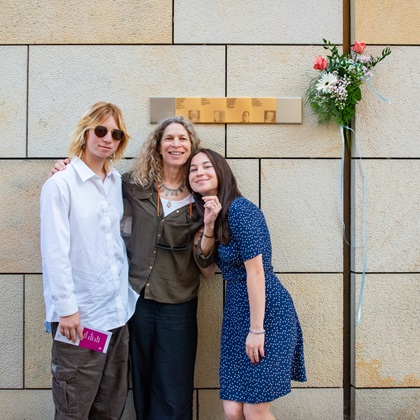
(60,165)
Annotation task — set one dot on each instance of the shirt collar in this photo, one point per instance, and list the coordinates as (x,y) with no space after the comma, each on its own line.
(86,173)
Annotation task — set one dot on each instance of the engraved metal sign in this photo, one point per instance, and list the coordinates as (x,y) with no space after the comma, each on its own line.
(229,110)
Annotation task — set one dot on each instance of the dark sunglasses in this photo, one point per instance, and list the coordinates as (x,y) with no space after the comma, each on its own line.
(101,131)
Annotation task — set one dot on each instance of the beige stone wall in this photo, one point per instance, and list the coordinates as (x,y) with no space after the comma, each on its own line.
(386,368)
(57,58)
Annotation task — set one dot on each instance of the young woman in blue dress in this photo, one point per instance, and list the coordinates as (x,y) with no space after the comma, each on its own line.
(262,344)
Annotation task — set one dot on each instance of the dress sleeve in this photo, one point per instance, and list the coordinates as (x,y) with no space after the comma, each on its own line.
(246,222)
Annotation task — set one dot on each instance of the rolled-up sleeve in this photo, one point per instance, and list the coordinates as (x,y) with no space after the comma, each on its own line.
(205,261)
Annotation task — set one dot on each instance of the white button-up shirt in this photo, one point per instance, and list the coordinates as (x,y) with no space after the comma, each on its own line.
(84,261)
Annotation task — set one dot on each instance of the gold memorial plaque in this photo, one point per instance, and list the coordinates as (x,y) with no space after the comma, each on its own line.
(229,110)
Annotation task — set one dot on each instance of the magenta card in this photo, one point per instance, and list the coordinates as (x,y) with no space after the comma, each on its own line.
(95,340)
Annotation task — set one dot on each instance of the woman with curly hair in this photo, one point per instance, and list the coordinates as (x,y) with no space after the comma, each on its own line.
(161,224)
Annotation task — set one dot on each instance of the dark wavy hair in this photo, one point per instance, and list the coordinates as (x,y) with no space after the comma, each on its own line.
(227,192)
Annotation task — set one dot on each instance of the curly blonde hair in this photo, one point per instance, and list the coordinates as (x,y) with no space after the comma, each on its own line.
(90,119)
(147,169)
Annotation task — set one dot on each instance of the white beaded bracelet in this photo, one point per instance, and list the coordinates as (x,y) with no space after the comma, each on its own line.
(256,331)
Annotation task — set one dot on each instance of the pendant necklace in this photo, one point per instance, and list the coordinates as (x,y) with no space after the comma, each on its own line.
(171,192)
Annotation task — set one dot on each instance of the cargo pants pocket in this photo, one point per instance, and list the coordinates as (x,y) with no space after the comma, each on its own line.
(64,389)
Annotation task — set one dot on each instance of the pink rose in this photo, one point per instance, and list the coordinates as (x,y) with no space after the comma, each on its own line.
(359,47)
(320,63)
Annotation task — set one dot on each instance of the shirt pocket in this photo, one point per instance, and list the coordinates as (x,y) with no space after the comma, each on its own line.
(175,234)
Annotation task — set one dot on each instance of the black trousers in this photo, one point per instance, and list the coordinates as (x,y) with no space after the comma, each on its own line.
(87,384)
(163,346)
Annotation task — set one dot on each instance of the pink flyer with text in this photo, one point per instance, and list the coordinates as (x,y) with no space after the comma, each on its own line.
(93,339)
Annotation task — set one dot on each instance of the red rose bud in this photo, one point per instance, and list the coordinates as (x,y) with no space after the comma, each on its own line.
(320,63)
(359,47)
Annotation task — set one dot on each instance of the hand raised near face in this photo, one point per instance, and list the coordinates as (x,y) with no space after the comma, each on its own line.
(212,209)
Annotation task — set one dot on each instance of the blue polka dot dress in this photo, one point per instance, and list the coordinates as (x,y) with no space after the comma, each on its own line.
(284,360)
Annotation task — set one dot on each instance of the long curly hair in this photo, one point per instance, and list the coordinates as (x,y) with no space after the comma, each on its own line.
(227,191)
(90,119)
(147,169)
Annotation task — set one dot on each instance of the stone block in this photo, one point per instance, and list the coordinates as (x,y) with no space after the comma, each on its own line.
(13,88)
(319,304)
(26,404)
(392,215)
(210,406)
(301,202)
(280,71)
(387,339)
(210,313)
(37,404)
(300,404)
(390,129)
(11,326)
(37,342)
(81,22)
(396,22)
(264,22)
(130,85)
(19,214)
(318,301)
(246,172)
(389,404)
(315,403)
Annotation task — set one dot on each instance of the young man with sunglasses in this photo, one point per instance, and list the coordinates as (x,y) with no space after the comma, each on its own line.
(85,269)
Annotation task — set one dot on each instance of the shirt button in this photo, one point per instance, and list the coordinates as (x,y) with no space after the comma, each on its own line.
(150,267)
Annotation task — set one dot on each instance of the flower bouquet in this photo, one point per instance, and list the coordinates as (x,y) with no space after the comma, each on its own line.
(334,93)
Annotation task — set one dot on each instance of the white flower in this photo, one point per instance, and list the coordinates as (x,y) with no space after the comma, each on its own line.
(325,83)
(364,59)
